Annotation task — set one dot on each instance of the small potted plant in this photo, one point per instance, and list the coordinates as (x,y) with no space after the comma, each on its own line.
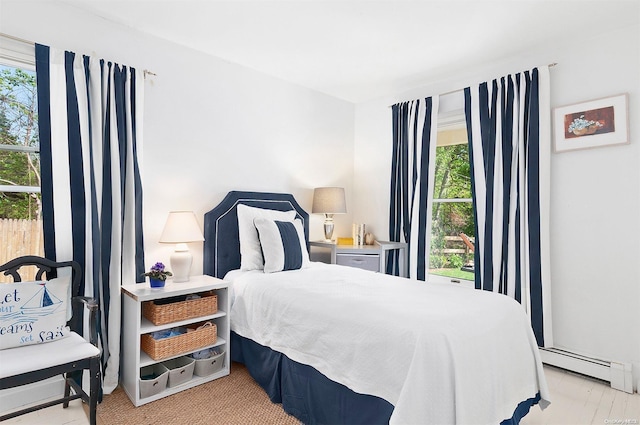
(158,275)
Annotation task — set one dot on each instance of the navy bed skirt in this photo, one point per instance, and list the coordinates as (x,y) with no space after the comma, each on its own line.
(315,399)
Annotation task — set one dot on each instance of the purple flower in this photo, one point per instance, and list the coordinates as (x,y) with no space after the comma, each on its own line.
(158,267)
(158,272)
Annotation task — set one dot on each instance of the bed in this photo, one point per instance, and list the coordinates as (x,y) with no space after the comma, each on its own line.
(339,345)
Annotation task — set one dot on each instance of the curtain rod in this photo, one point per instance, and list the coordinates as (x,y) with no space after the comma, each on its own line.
(145,72)
(551,65)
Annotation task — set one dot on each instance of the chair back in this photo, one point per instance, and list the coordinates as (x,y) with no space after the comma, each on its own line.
(49,269)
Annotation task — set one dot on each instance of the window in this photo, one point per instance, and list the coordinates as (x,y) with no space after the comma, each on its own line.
(451,257)
(19,146)
(20,199)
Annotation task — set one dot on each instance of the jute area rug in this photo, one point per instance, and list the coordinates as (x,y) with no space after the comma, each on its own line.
(234,399)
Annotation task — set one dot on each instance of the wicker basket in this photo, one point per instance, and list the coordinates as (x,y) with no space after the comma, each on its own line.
(200,335)
(160,314)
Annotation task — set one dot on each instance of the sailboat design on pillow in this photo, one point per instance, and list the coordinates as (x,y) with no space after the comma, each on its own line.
(42,303)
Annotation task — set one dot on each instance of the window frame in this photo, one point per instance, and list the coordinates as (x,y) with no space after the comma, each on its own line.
(450,120)
(17,52)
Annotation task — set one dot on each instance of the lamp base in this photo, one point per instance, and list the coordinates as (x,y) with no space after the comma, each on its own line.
(181,260)
(328,227)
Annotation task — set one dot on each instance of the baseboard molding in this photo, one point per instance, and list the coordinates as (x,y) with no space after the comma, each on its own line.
(25,395)
(620,375)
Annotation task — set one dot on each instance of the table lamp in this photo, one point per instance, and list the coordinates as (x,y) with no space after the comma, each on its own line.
(329,201)
(181,227)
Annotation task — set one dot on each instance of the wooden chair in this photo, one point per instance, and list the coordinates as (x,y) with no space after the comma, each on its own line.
(68,356)
(470,245)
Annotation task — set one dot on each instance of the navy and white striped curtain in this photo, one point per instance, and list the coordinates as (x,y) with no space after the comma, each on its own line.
(90,119)
(509,143)
(412,176)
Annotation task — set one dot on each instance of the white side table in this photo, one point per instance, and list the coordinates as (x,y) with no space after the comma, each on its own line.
(368,257)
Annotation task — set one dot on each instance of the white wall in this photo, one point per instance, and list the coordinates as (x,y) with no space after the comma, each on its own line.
(595,193)
(210,126)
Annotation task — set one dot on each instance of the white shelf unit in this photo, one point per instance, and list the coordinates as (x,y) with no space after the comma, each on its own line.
(134,324)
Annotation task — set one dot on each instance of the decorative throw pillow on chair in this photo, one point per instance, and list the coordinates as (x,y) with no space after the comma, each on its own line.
(34,312)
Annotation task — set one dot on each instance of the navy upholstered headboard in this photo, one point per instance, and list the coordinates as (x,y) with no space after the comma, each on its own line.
(221,242)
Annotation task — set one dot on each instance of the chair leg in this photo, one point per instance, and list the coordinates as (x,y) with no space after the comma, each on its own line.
(94,389)
(67,390)
(71,379)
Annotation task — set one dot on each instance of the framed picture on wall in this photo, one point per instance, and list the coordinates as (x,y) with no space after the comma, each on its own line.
(596,123)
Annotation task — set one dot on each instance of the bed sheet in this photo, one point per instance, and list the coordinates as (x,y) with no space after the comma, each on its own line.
(437,352)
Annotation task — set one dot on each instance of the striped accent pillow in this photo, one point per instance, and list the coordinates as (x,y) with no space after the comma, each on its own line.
(283,245)
(250,253)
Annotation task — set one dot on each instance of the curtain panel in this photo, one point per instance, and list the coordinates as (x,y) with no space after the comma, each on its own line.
(90,118)
(508,126)
(412,176)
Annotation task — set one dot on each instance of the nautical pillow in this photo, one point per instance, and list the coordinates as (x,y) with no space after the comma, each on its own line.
(34,312)
(250,252)
(283,245)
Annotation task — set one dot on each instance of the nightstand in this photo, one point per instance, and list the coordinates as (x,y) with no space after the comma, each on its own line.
(135,325)
(368,257)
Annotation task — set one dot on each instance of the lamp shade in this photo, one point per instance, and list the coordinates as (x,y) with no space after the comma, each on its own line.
(329,200)
(181,227)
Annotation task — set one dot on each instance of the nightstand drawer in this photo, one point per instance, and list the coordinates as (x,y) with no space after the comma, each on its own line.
(361,261)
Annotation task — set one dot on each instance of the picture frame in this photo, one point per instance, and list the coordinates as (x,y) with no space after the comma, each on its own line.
(592,124)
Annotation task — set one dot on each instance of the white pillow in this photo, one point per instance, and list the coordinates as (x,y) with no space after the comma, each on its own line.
(283,245)
(34,312)
(250,251)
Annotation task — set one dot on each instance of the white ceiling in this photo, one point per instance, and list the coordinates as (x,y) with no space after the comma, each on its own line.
(359,50)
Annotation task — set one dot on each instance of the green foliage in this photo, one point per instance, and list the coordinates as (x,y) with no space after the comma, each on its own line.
(437,261)
(18,205)
(449,219)
(452,176)
(456,261)
(19,127)
(453,181)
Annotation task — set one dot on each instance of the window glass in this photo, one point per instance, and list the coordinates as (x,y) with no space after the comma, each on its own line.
(19,145)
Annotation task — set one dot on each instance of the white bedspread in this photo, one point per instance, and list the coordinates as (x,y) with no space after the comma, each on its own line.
(440,354)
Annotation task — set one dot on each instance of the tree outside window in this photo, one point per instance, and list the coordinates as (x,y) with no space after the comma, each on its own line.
(452,205)
(19,145)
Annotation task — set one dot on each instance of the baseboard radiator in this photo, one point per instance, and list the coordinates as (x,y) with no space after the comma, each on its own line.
(618,374)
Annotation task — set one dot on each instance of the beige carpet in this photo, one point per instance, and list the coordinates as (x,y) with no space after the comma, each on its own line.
(234,399)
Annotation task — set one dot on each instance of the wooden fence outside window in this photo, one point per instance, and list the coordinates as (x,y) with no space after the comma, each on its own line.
(18,238)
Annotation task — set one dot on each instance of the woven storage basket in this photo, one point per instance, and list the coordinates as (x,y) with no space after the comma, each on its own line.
(203,334)
(160,314)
